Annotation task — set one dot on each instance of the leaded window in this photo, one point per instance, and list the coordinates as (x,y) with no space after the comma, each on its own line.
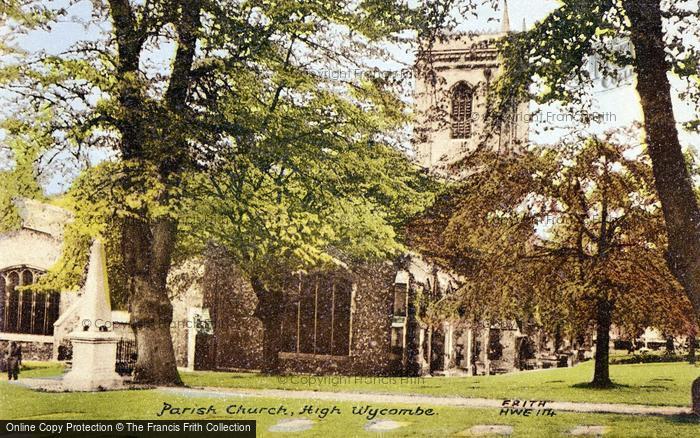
(317,319)
(461,115)
(25,311)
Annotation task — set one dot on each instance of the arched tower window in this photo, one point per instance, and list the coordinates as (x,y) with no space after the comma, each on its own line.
(461,115)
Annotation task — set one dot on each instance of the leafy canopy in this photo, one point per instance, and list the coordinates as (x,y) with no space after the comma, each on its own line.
(255,144)
(550,62)
(554,232)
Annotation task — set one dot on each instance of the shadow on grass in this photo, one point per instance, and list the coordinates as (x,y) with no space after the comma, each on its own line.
(655,387)
(590,385)
(684,419)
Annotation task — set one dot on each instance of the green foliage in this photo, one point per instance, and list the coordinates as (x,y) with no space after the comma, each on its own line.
(551,233)
(26,13)
(318,207)
(549,63)
(19,179)
(94,200)
(252,145)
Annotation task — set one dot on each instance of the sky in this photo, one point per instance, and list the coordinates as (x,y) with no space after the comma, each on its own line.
(617,103)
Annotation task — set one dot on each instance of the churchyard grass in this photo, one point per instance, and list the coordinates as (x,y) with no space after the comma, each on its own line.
(659,384)
(662,384)
(41,369)
(18,402)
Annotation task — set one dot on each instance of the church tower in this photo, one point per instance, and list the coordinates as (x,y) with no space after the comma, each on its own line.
(452,97)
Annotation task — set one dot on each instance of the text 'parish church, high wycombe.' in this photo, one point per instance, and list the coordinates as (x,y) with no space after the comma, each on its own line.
(360,319)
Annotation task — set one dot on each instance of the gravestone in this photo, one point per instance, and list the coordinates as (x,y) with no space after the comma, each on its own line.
(489,429)
(383,425)
(588,431)
(292,425)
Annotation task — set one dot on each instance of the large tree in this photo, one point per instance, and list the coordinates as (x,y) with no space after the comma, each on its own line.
(554,55)
(266,109)
(316,187)
(558,236)
(18,172)
(19,178)
(605,225)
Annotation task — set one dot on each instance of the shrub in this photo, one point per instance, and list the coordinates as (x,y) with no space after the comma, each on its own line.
(647,358)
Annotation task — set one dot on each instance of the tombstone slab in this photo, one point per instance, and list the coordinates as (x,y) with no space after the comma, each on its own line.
(488,429)
(383,425)
(588,431)
(292,425)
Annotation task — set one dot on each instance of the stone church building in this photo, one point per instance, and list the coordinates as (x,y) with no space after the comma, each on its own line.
(39,322)
(363,319)
(368,320)
(25,254)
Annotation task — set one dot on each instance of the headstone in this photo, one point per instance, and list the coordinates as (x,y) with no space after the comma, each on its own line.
(94,342)
(695,396)
(490,429)
(383,425)
(292,425)
(588,431)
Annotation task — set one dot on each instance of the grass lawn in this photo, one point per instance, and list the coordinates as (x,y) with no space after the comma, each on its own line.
(652,384)
(21,403)
(661,384)
(40,369)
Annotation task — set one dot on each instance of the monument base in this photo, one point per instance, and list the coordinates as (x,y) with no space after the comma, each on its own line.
(94,357)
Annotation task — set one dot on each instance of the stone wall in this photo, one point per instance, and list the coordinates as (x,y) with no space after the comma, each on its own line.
(371,319)
(236,342)
(36,245)
(68,320)
(473,60)
(31,349)
(292,363)
(28,248)
(42,217)
(237,339)
(370,328)
(509,354)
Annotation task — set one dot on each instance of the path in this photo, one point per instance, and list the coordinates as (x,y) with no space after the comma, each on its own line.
(607,408)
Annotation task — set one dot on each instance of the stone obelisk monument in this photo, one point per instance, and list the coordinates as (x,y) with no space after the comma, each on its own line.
(94,342)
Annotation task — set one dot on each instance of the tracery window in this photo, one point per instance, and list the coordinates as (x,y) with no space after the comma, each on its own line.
(317,320)
(461,114)
(26,312)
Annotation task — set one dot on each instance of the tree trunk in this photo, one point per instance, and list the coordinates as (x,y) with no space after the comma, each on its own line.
(485,349)
(691,349)
(673,181)
(269,310)
(670,345)
(601,376)
(430,350)
(148,244)
(557,339)
(147,252)
(272,334)
(156,358)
